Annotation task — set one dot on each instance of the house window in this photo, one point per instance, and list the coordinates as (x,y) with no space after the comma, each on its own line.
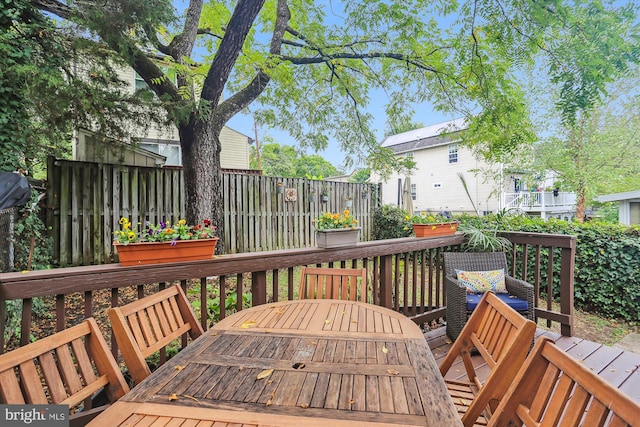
(437,185)
(409,156)
(413,192)
(170,151)
(453,153)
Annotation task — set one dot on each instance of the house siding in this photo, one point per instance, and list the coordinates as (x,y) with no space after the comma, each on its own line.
(235,147)
(433,167)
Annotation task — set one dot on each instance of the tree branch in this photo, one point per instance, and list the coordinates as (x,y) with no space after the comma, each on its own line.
(182,44)
(244,97)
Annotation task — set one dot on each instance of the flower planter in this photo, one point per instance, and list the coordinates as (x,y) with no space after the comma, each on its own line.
(160,252)
(434,230)
(338,238)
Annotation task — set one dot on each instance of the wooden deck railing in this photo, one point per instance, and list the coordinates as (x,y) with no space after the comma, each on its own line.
(405,275)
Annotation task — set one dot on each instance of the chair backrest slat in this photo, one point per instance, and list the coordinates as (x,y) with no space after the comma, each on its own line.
(145,326)
(61,369)
(502,337)
(337,283)
(552,388)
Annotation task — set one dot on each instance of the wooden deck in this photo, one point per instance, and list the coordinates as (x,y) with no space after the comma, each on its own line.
(616,366)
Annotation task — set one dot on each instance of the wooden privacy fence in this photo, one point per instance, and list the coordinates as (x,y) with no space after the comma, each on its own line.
(86,200)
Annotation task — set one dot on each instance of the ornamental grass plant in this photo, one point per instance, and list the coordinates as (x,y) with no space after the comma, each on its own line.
(163,232)
(335,221)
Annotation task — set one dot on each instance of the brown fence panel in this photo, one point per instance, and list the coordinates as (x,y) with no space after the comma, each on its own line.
(86,201)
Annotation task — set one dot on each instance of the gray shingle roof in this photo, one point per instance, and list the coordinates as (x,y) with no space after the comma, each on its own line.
(428,136)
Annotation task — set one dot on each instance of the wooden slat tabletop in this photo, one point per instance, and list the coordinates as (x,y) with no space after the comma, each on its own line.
(324,362)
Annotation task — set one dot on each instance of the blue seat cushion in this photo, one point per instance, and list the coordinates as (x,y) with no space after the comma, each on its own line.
(513,302)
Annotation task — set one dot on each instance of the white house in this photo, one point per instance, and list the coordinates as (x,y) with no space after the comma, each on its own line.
(436,184)
(628,206)
(161,141)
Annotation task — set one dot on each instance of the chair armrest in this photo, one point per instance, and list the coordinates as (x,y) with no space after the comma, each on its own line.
(456,306)
(522,290)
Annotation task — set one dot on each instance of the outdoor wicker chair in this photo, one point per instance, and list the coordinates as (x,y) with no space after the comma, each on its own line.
(460,303)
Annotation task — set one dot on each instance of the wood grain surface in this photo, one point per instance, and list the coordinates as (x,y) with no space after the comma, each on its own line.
(308,362)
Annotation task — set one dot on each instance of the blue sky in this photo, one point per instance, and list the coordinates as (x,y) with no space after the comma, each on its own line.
(424,113)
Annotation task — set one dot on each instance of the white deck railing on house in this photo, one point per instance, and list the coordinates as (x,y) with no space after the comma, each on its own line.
(539,201)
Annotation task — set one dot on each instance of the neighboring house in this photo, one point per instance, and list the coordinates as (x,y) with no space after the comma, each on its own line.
(164,143)
(342,178)
(628,206)
(435,185)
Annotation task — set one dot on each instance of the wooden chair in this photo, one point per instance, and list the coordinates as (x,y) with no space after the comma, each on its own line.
(337,283)
(147,325)
(460,304)
(68,368)
(554,389)
(503,338)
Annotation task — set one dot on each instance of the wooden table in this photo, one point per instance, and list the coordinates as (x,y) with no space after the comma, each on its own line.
(324,362)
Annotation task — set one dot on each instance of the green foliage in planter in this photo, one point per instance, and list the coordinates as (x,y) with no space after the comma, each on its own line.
(607,264)
(389,223)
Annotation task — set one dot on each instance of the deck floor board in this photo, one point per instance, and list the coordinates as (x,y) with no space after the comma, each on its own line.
(618,367)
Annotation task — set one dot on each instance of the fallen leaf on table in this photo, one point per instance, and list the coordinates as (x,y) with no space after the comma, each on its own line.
(268,403)
(304,405)
(280,311)
(249,324)
(179,368)
(264,374)
(351,401)
(327,321)
(393,372)
(385,350)
(173,397)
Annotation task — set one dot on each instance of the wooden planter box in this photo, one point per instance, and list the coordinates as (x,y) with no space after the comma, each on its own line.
(434,230)
(159,252)
(340,238)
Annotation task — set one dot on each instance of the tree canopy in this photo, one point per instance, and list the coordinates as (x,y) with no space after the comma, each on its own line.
(309,67)
(286,161)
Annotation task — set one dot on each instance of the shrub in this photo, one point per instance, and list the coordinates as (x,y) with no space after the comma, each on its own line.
(389,223)
(30,228)
(607,264)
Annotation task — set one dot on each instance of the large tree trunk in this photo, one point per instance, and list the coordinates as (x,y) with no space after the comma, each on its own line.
(200,143)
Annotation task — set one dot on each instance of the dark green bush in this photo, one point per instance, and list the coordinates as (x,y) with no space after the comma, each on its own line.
(389,223)
(607,265)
